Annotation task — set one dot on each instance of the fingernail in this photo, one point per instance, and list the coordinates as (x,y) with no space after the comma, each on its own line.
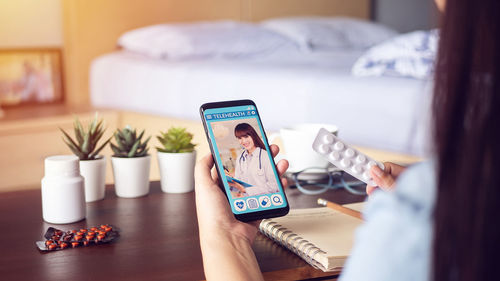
(377,171)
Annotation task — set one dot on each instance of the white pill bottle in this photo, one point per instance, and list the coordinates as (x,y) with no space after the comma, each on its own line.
(63,192)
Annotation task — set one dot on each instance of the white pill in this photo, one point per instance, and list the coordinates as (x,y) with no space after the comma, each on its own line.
(349,152)
(366,176)
(357,169)
(361,159)
(328,139)
(324,148)
(345,163)
(338,146)
(334,156)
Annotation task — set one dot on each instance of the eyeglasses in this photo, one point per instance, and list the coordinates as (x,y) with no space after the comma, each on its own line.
(316,180)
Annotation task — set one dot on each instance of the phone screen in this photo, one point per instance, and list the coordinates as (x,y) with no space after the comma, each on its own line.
(244,159)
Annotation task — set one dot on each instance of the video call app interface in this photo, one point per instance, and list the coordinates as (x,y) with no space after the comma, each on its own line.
(244,159)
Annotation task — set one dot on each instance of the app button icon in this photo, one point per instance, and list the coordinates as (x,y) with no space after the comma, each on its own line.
(209,116)
(252,203)
(265,201)
(240,205)
(277,199)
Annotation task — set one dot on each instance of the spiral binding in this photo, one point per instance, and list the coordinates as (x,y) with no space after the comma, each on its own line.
(286,238)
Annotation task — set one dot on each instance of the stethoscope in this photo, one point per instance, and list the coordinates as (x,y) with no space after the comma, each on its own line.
(260,160)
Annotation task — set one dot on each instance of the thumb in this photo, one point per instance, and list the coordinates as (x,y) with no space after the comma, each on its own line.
(203,168)
(384,180)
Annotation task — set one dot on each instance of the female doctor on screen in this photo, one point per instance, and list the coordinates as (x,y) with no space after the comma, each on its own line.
(253,165)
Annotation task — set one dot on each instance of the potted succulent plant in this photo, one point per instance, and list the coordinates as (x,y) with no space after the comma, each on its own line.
(92,165)
(176,159)
(131,163)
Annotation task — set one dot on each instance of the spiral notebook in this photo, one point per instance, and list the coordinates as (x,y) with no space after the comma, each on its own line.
(321,236)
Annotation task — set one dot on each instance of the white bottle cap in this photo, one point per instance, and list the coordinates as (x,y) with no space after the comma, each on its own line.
(62,165)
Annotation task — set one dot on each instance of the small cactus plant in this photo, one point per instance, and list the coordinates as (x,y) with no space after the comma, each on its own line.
(128,144)
(176,140)
(85,145)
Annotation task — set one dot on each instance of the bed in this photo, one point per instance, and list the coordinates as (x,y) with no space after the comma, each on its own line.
(386,113)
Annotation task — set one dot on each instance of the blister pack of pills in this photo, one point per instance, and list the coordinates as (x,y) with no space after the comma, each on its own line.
(345,157)
(57,239)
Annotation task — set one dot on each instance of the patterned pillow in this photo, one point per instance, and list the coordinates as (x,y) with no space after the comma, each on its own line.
(408,55)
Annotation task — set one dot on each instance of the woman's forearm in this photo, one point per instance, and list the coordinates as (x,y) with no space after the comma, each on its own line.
(227,256)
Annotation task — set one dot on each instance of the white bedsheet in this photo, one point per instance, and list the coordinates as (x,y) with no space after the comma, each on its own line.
(381,112)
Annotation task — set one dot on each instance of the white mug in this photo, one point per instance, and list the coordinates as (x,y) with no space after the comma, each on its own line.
(297,145)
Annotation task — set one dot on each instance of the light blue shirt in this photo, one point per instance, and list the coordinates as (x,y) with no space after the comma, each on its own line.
(395,241)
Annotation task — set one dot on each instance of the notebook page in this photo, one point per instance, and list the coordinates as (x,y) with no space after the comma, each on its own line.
(327,229)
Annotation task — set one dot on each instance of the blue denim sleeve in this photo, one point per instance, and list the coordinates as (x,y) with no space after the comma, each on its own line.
(394,242)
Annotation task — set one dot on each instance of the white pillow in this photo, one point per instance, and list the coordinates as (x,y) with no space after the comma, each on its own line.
(203,39)
(324,33)
(409,55)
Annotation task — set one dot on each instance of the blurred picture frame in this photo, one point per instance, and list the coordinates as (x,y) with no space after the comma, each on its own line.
(31,76)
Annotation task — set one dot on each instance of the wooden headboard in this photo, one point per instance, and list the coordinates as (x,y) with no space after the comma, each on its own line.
(92,27)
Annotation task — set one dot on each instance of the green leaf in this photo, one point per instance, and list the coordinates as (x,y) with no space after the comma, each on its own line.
(78,135)
(160,140)
(69,138)
(127,136)
(115,149)
(85,145)
(74,150)
(140,135)
(93,125)
(117,137)
(133,150)
(98,129)
(96,152)
(79,132)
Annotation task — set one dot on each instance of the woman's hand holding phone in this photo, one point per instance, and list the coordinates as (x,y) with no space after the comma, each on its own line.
(223,238)
(211,203)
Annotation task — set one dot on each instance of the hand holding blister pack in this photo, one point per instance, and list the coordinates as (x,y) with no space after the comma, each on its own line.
(345,157)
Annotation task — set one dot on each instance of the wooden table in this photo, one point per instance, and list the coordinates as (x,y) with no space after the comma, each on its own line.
(159,240)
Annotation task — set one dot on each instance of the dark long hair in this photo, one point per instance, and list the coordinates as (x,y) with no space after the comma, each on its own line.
(466,109)
(245,129)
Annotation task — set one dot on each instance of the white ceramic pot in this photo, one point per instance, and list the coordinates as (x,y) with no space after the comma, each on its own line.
(94,173)
(177,171)
(131,176)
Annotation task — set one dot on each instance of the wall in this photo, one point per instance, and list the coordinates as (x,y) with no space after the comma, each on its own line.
(406,15)
(30,23)
(92,27)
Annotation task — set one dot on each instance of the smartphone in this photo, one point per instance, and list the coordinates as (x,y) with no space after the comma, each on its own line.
(243,160)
